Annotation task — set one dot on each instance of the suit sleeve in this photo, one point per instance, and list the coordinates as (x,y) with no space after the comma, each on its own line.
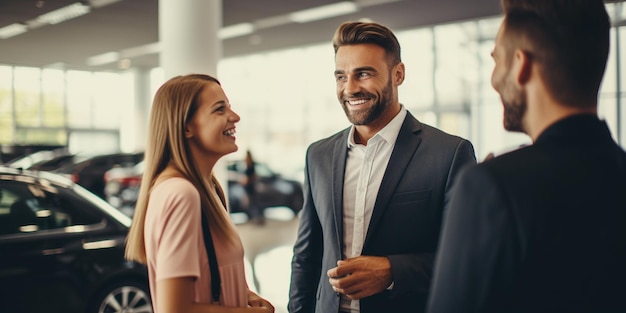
(464,156)
(478,251)
(307,257)
(412,272)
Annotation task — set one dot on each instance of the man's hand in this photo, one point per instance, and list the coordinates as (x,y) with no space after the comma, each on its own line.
(361,277)
(489,156)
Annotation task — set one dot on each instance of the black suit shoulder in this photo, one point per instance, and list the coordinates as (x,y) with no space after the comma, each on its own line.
(440,135)
(564,164)
(330,141)
(438,147)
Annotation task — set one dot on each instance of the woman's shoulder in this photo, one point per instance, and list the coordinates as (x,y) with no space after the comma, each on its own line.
(173,183)
(175,191)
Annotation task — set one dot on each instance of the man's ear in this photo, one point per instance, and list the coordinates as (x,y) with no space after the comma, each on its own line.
(522,65)
(398,74)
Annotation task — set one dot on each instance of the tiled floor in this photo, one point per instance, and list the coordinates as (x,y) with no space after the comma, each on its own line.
(269,248)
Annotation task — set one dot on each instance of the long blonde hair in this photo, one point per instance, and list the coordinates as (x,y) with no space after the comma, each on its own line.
(175,103)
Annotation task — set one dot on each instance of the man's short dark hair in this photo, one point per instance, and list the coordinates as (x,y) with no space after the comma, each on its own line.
(352,33)
(568,38)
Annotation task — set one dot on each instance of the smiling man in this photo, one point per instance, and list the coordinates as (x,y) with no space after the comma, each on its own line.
(374,192)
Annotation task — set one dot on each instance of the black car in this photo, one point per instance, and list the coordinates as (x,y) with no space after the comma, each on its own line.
(62,249)
(89,171)
(31,160)
(273,190)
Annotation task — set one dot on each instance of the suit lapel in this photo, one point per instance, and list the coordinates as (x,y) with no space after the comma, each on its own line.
(407,142)
(339,158)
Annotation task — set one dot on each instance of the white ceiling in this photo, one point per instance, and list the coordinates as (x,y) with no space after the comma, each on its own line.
(129,24)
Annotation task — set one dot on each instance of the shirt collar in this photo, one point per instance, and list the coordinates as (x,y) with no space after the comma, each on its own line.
(389,133)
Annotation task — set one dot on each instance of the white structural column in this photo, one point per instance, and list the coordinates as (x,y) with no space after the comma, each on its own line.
(189,43)
(134,124)
(188,36)
(143,100)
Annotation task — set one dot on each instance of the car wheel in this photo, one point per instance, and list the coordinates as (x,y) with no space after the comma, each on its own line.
(123,296)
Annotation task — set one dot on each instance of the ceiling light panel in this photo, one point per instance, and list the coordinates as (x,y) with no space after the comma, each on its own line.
(12,30)
(101,3)
(324,12)
(65,13)
(236,30)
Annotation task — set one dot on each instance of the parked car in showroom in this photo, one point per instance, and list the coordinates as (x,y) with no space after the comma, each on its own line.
(28,161)
(83,168)
(62,249)
(89,171)
(121,187)
(273,190)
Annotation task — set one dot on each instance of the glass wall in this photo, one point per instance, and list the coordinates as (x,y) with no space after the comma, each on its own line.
(287,99)
(78,109)
(7,117)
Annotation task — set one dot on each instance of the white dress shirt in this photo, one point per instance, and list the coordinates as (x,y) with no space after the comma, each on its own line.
(365,169)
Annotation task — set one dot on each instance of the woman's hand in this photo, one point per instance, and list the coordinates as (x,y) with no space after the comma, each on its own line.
(257,302)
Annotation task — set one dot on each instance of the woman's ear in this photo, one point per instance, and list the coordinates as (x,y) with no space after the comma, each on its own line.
(188,133)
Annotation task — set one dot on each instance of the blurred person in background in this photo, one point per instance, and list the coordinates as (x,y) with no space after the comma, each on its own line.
(542,228)
(191,127)
(250,184)
(374,192)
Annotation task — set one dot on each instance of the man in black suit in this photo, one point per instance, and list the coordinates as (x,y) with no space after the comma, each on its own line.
(542,228)
(374,192)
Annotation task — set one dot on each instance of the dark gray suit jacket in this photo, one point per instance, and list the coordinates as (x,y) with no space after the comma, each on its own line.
(540,229)
(405,221)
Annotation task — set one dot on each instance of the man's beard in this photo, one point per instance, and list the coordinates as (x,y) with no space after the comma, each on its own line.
(370,114)
(514,111)
(514,103)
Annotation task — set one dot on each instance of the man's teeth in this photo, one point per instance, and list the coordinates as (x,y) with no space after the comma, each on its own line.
(230,132)
(356,102)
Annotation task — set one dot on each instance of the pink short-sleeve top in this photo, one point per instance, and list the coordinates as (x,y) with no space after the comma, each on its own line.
(175,245)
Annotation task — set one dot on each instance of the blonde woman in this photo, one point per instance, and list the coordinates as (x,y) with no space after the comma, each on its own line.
(191,127)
